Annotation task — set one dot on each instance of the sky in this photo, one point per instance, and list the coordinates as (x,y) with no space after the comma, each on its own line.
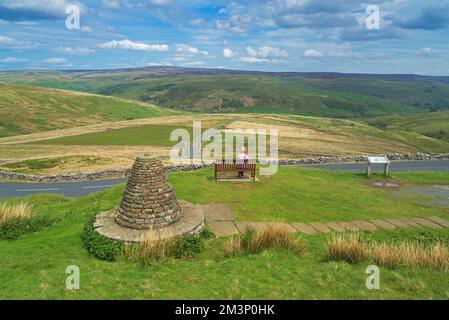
(351,36)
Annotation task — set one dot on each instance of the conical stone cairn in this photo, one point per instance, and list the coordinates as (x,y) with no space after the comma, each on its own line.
(149,201)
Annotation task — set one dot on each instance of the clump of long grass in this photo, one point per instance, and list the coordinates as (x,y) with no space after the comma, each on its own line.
(347,248)
(272,236)
(354,249)
(151,251)
(21,211)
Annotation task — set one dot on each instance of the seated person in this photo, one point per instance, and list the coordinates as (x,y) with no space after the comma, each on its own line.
(242,159)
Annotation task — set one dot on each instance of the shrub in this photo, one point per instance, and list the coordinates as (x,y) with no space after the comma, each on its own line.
(207,233)
(100,246)
(14,229)
(354,249)
(17,220)
(273,236)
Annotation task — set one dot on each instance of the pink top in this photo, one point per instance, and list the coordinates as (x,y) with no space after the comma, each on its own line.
(242,157)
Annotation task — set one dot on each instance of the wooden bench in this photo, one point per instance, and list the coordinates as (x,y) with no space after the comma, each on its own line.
(226,167)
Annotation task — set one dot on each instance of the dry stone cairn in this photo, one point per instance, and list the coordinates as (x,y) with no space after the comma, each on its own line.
(149,201)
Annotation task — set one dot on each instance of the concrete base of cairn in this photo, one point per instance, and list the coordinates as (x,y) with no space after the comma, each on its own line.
(190,223)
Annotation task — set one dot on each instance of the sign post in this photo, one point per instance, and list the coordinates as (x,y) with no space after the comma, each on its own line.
(378,160)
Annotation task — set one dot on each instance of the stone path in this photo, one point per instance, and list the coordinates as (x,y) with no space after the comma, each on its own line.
(221,221)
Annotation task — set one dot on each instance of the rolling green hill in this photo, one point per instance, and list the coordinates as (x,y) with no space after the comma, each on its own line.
(214,90)
(26,109)
(435,124)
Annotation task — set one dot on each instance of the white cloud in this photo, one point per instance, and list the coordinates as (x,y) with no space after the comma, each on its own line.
(12,60)
(228,53)
(190,50)
(75,51)
(195,63)
(253,60)
(113,4)
(160,2)
(55,60)
(313,53)
(132,45)
(197,22)
(13,44)
(36,10)
(266,52)
(428,51)
(86,29)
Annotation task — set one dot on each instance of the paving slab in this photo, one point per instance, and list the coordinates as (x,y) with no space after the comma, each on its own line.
(398,223)
(349,226)
(410,222)
(364,225)
(383,224)
(335,227)
(440,221)
(243,225)
(427,223)
(223,228)
(304,228)
(321,227)
(218,212)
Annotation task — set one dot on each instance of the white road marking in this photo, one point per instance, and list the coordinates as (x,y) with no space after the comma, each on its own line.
(27,190)
(98,187)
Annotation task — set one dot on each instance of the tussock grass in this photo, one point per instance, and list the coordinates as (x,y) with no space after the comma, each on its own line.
(347,248)
(21,211)
(151,251)
(273,236)
(355,249)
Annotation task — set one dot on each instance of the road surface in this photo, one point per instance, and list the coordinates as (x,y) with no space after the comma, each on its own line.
(76,189)
(13,190)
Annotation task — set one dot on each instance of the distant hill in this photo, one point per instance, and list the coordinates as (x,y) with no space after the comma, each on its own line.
(434,125)
(26,109)
(219,90)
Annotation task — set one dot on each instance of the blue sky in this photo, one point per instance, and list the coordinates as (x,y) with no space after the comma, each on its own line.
(266,35)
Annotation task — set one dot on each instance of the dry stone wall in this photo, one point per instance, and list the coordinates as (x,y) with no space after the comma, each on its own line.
(121,173)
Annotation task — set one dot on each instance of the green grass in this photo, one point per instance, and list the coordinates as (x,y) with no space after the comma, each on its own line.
(43,109)
(434,125)
(34,266)
(47,165)
(288,196)
(149,135)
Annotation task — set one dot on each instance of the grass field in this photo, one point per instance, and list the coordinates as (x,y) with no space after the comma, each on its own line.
(27,109)
(435,125)
(291,198)
(66,164)
(151,135)
(34,266)
(297,135)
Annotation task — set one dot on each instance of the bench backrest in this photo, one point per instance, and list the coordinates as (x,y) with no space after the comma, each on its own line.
(232,166)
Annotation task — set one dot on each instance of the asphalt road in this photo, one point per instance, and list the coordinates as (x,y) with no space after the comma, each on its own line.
(13,190)
(76,189)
